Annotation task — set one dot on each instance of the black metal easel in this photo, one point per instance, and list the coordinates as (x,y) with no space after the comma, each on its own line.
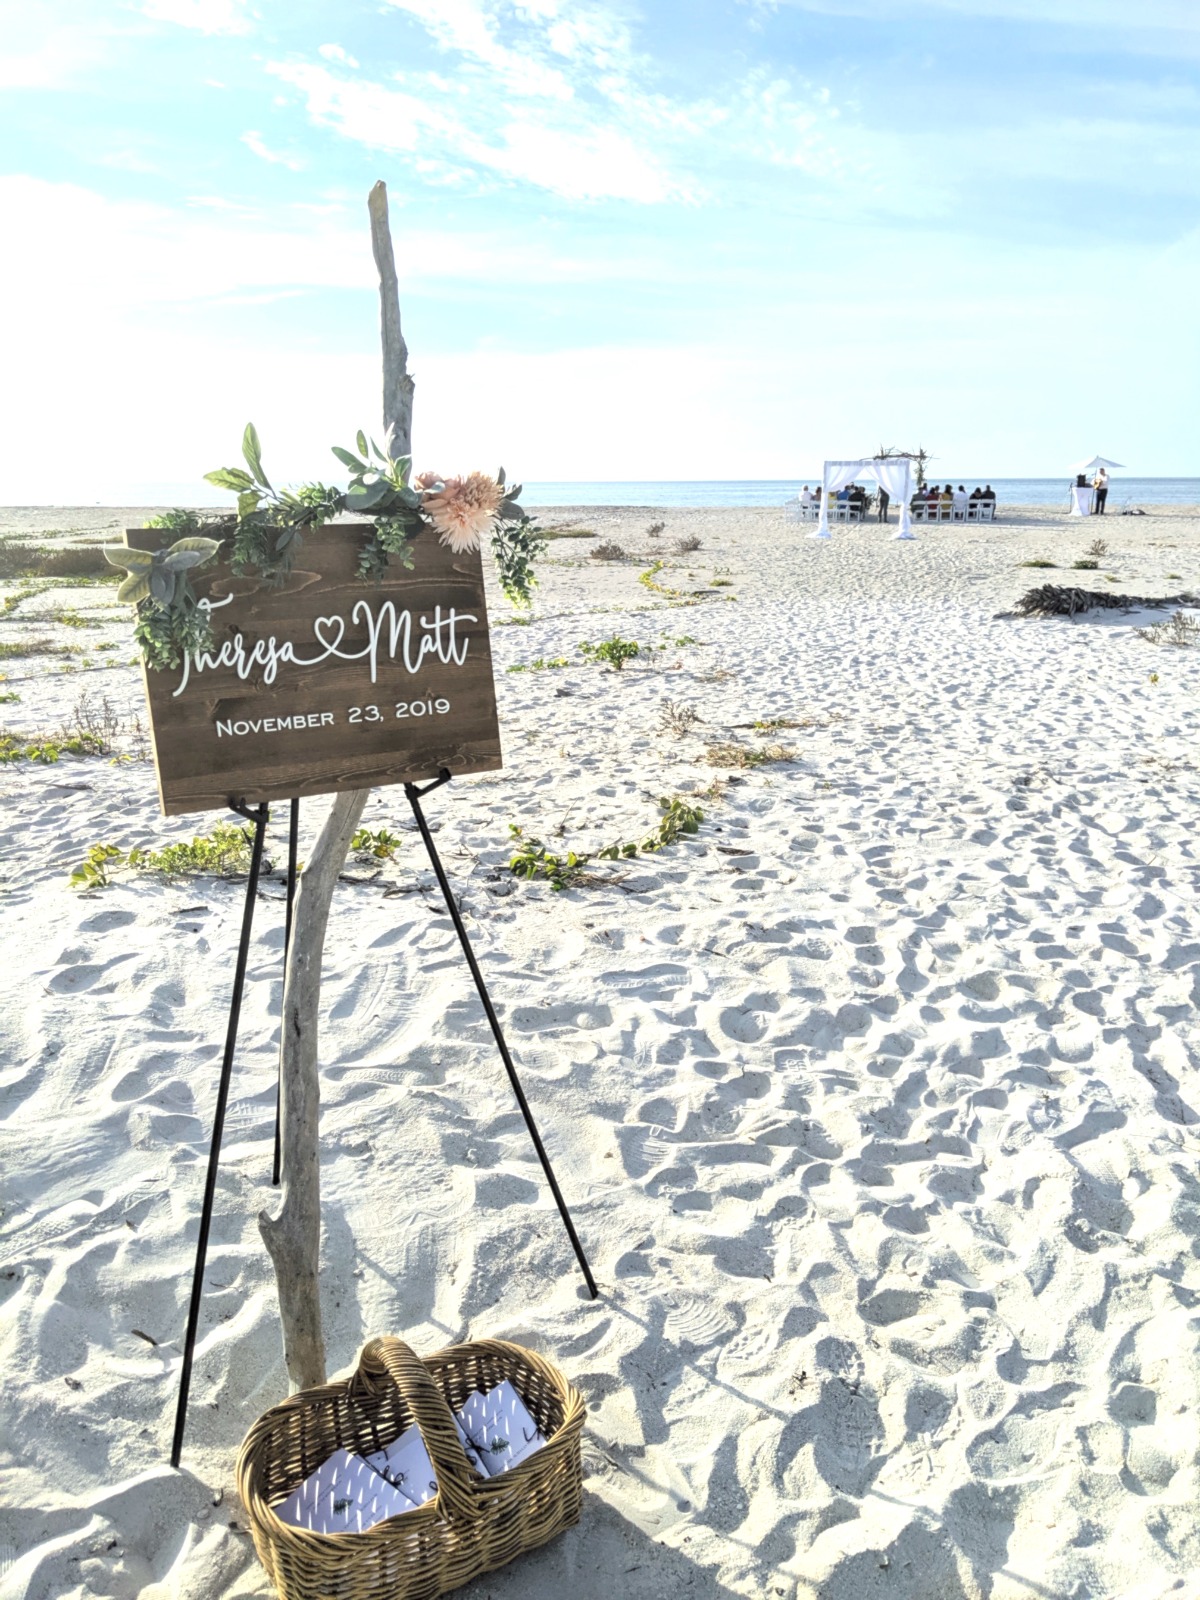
(259,815)
(415,796)
(293,836)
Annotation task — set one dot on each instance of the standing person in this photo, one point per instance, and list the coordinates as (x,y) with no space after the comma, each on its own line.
(1100,485)
(884,502)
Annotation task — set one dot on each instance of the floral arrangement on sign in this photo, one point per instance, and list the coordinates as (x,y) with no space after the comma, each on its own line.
(267,534)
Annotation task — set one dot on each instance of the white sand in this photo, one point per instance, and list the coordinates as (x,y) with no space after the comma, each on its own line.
(876,1101)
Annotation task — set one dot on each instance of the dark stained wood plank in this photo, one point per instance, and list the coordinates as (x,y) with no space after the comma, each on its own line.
(330,681)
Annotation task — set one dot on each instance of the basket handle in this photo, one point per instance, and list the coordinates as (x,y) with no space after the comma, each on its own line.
(388,1357)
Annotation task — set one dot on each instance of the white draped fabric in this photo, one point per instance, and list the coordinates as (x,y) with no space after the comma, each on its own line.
(1081,500)
(891,473)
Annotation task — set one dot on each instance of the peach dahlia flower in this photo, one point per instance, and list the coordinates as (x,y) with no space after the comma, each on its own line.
(461,509)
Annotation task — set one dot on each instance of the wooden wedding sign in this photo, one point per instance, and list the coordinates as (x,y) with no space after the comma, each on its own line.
(329,681)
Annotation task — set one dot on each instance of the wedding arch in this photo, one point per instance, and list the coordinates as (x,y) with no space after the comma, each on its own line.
(891,473)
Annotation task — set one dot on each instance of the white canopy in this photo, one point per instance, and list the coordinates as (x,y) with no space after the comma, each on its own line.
(893,473)
(1096,461)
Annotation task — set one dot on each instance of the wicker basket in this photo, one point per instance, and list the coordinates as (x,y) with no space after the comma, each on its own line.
(471,1526)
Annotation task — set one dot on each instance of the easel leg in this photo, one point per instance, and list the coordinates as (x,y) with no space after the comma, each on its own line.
(259,817)
(293,834)
(414,799)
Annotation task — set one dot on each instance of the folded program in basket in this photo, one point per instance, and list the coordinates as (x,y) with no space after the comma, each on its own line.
(351,1493)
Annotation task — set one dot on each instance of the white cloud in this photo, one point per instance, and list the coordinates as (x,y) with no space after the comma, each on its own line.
(254,142)
(552,93)
(334,52)
(142,258)
(591,161)
(209,16)
(38,55)
(1101,14)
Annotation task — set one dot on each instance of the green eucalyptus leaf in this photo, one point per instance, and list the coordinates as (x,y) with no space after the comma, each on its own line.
(162,585)
(360,440)
(183,560)
(135,588)
(205,548)
(248,503)
(252,451)
(132,560)
(231,478)
(500,477)
(348,460)
(363,496)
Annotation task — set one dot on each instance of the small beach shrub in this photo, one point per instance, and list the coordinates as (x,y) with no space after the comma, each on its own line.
(97,719)
(380,845)
(615,651)
(542,664)
(1178,629)
(1098,549)
(685,546)
(677,718)
(75,561)
(1037,561)
(608,551)
(728,754)
(655,528)
(531,859)
(47,748)
(679,817)
(92,871)
(566,869)
(9,697)
(1085,564)
(33,647)
(223,853)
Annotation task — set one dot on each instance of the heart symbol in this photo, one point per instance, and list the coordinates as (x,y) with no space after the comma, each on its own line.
(324,625)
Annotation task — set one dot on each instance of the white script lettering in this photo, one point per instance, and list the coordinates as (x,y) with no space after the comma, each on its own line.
(390,634)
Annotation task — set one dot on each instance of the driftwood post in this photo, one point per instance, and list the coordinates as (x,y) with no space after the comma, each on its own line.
(293,1235)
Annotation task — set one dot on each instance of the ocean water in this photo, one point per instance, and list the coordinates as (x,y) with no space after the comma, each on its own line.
(773,492)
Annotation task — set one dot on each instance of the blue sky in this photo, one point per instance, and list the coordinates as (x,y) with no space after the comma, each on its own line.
(666,239)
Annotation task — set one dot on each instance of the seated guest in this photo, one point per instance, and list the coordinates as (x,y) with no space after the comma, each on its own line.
(844,495)
(961,500)
(988,493)
(946,499)
(806,498)
(976,493)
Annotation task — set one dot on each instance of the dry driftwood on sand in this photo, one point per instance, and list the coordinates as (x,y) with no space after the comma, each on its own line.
(1063,600)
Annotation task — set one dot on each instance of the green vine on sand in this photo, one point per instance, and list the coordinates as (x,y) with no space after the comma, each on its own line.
(531,859)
